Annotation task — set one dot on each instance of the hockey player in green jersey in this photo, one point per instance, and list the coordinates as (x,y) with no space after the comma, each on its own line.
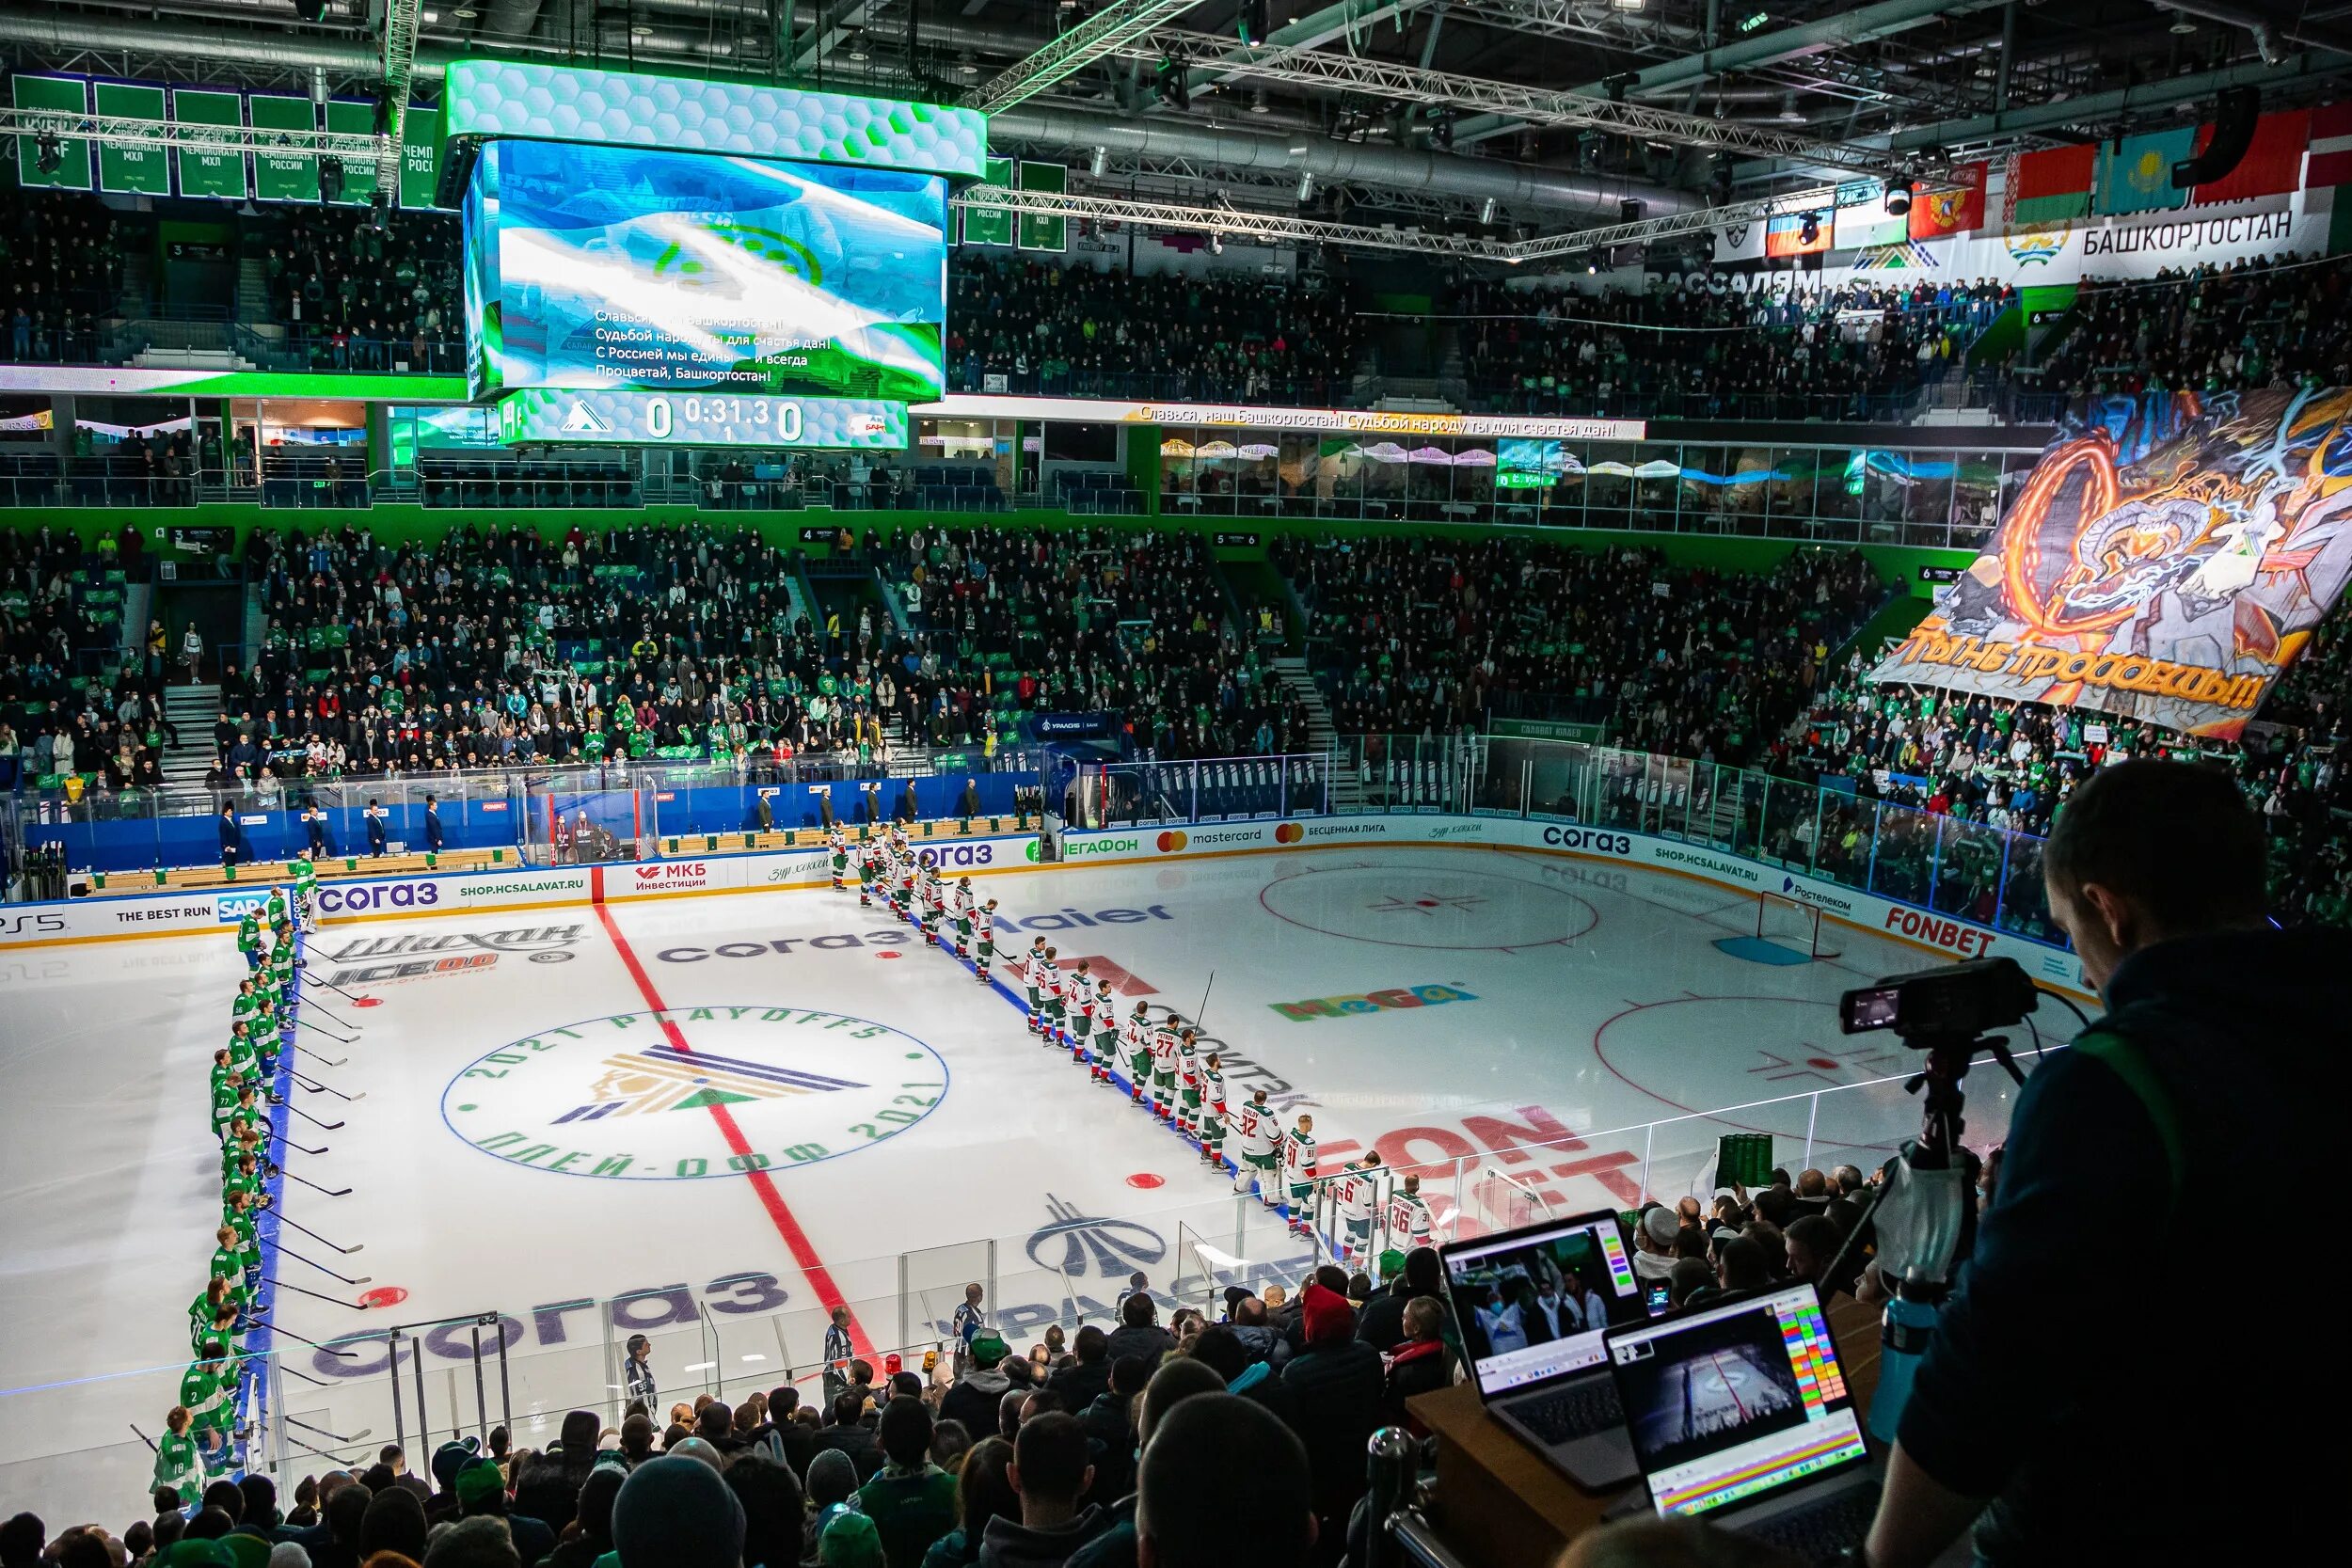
(1213,1109)
(208,1391)
(1299,1174)
(178,1464)
(249,939)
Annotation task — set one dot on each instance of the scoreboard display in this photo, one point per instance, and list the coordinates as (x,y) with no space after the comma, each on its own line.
(652,260)
(545,415)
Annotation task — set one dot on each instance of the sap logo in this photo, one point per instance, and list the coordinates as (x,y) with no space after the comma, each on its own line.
(379,896)
(1588,838)
(958,854)
(229,907)
(1937,931)
(1372,1002)
(30,924)
(1074,851)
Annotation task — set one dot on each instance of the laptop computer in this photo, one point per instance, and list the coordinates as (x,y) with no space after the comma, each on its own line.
(1532,1305)
(1740,1411)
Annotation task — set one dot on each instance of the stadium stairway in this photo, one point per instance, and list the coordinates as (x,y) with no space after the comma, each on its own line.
(1347,791)
(191,711)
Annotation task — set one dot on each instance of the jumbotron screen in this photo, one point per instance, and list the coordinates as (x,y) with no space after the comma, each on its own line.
(620,268)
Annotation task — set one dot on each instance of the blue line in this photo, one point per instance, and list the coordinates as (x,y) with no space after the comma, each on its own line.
(262,1340)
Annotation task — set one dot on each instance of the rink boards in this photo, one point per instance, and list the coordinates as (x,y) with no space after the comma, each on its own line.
(342,900)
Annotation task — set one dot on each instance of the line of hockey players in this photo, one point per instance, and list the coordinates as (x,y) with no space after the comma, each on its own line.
(201,1441)
(1168,1074)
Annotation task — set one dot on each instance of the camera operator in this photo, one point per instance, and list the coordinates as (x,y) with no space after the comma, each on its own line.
(2085,1426)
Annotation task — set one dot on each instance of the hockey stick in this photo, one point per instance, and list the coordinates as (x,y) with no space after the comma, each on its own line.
(330,985)
(330,1033)
(354,1306)
(142,1436)
(321,1241)
(330,1061)
(330,1350)
(290,1143)
(316,1088)
(285,1251)
(359,1436)
(329,1126)
(1201,1019)
(330,1192)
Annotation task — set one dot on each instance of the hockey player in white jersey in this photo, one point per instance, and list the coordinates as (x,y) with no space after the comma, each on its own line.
(1299,1174)
(984,938)
(1260,1137)
(1356,1193)
(1164,1068)
(1188,1084)
(1032,970)
(1213,1109)
(1409,1222)
(1134,1040)
(1079,998)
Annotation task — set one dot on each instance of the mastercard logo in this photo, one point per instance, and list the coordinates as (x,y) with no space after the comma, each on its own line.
(1289,832)
(1172,841)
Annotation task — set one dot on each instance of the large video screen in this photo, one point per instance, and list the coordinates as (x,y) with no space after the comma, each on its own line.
(596,267)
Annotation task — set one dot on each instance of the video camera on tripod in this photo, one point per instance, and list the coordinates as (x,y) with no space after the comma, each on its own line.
(1924,1213)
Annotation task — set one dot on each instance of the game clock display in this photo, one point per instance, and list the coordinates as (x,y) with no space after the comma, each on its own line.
(548,417)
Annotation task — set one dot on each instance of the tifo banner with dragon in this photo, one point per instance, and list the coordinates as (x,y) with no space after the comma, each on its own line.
(2165,560)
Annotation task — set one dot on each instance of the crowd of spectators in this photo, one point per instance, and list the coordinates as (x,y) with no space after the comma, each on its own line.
(60,271)
(362,291)
(1102,621)
(1416,635)
(1969,758)
(1073,329)
(60,710)
(1854,351)
(2267,323)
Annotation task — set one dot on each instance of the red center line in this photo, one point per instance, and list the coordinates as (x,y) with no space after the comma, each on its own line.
(795,1239)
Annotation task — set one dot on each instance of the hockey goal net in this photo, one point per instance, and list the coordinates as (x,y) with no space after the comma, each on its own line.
(1784,922)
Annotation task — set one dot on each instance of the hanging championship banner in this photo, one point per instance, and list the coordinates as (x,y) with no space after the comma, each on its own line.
(2167,562)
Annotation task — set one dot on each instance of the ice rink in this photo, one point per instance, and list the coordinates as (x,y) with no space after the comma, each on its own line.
(859,1122)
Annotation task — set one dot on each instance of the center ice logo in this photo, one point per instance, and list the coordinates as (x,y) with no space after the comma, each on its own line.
(694,1092)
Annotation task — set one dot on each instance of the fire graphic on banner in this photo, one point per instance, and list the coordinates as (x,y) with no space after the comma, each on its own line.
(2173,587)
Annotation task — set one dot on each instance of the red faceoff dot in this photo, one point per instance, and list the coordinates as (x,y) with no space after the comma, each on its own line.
(1822,1064)
(367,1002)
(885,954)
(384,1296)
(1145,1179)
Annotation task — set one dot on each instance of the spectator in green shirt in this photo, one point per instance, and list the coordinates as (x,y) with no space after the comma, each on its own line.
(912,1502)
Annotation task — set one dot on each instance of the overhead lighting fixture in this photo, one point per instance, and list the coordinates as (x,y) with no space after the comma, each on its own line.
(429,18)
(1099,162)
(1217,244)
(330,177)
(464,13)
(1257,103)
(641,32)
(968,67)
(1627,6)
(1897,197)
(1486,211)
(1591,267)
(2181,26)
(48,152)
(1306,188)
(1753,20)
(1789,113)
(1810,229)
